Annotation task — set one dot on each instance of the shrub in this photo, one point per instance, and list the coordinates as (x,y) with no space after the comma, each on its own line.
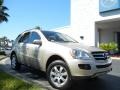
(112,46)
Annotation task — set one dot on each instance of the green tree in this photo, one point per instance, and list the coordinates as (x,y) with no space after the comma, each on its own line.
(4,41)
(3,14)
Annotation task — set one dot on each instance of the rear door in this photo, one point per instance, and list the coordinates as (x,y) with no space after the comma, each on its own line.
(22,47)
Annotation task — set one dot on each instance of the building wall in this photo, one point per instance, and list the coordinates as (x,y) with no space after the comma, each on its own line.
(84,15)
(108,35)
(83,18)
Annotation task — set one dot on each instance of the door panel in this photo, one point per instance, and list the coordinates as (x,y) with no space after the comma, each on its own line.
(20,53)
(33,55)
(34,51)
(25,54)
(22,47)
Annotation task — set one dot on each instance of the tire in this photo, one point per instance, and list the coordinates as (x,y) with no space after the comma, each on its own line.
(14,63)
(58,75)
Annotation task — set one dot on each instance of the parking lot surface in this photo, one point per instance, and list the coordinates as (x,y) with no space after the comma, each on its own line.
(111,81)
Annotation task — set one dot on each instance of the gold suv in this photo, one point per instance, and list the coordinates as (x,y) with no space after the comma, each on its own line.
(60,56)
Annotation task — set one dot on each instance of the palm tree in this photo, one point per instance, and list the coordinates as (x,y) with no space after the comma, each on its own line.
(1,1)
(3,14)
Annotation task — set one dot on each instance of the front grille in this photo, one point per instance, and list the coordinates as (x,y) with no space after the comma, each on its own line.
(100,55)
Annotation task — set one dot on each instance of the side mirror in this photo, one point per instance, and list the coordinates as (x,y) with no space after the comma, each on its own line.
(38,42)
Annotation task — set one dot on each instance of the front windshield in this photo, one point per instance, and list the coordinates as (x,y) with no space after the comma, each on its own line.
(57,37)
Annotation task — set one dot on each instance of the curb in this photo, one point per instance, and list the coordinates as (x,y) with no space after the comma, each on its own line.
(116,58)
(3,57)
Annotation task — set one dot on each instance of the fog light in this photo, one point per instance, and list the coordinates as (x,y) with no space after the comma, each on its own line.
(84,66)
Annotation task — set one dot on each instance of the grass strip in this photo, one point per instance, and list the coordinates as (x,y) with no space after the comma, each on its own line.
(8,82)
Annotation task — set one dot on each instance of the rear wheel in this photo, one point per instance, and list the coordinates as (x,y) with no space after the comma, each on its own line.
(58,75)
(14,63)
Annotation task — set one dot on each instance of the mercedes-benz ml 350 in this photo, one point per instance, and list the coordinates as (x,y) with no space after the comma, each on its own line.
(59,56)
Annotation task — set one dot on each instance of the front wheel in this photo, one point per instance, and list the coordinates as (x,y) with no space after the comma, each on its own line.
(14,63)
(59,75)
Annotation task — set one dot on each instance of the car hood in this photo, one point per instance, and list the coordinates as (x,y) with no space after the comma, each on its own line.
(81,47)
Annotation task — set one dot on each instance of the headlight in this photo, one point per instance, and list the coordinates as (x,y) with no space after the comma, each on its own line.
(79,54)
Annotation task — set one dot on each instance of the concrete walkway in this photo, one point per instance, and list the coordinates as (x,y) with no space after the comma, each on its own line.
(115,58)
(26,74)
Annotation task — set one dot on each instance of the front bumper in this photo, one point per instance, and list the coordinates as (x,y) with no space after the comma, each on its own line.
(94,68)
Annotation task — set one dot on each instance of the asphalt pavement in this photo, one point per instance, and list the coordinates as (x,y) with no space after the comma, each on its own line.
(111,81)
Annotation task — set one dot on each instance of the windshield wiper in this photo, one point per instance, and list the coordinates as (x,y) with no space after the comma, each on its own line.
(70,41)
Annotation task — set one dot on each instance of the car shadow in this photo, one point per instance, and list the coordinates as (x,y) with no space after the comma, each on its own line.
(106,82)
(32,73)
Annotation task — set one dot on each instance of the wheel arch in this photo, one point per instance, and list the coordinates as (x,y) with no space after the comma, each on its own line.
(13,52)
(54,58)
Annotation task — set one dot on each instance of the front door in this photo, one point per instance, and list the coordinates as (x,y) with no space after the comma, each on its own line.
(34,51)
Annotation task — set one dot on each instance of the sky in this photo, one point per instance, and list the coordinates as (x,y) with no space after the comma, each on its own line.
(26,14)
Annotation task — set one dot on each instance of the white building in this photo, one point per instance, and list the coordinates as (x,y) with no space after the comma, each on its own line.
(94,21)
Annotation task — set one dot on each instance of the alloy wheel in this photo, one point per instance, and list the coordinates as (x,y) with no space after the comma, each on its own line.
(58,75)
(13,62)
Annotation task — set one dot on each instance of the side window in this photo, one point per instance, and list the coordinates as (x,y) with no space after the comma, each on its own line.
(17,39)
(34,36)
(24,38)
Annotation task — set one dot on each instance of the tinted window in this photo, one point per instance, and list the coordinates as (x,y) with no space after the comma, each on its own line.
(17,39)
(34,36)
(25,38)
(57,37)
